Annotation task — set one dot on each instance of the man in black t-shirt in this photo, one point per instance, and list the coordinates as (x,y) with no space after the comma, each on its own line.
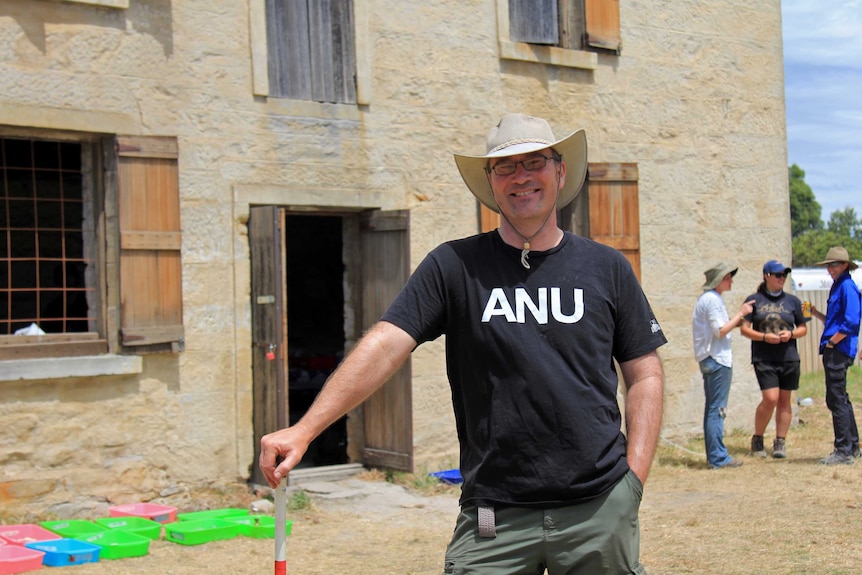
(536,321)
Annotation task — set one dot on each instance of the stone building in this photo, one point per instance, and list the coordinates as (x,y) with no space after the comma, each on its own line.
(205,203)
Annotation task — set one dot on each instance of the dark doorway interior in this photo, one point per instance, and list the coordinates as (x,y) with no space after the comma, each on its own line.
(315,324)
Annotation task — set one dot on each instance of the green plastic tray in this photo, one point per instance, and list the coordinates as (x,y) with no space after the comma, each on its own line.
(201,531)
(137,525)
(257,526)
(118,544)
(212,514)
(73,528)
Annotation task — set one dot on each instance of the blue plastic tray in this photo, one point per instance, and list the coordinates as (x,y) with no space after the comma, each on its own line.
(451,476)
(62,552)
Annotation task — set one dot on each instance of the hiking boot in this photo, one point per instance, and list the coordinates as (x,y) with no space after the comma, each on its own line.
(779,451)
(836,458)
(757,449)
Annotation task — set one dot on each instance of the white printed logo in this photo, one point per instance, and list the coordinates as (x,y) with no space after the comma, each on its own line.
(499,305)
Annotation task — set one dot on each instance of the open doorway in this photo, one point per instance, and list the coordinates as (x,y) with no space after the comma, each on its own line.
(318,280)
(315,324)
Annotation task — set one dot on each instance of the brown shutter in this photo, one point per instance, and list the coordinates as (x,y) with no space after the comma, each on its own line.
(614,218)
(488,218)
(151,300)
(603,24)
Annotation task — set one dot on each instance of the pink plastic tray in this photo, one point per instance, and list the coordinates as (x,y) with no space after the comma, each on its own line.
(15,559)
(158,513)
(26,533)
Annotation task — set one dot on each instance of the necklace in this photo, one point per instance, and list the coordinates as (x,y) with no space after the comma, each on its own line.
(525,253)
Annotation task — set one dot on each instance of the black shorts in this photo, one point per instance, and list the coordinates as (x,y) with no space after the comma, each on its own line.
(783,375)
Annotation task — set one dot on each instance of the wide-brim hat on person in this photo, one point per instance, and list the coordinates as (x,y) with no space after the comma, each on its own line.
(775,267)
(521,134)
(715,274)
(838,254)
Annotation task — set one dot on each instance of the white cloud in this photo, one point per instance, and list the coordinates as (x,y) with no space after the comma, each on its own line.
(823,77)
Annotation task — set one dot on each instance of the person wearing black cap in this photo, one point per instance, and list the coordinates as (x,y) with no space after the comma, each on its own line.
(536,322)
(773,327)
(838,346)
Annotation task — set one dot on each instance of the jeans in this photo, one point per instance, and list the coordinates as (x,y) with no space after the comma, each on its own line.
(716,389)
(835,365)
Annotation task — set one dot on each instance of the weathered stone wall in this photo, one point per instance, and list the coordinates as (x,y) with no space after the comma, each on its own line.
(695,99)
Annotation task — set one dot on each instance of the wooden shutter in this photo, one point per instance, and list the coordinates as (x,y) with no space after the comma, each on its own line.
(603,24)
(288,49)
(151,298)
(488,218)
(614,217)
(534,21)
(333,56)
(385,268)
(311,50)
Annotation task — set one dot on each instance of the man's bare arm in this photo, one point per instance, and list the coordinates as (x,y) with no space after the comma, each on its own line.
(376,357)
(644,380)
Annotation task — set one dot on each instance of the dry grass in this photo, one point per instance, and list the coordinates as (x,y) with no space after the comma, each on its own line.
(780,517)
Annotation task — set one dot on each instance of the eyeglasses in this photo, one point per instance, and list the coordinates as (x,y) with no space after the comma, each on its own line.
(834,264)
(533,164)
(780,275)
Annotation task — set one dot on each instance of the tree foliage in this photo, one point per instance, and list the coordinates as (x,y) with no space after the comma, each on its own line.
(811,239)
(804,208)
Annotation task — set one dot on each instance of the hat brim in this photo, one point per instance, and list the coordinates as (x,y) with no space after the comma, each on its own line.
(573,149)
(853,265)
(719,276)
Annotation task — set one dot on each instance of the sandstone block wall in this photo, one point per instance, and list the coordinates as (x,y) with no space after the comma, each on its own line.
(695,99)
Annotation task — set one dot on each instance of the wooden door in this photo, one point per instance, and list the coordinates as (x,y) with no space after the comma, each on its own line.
(268,325)
(388,421)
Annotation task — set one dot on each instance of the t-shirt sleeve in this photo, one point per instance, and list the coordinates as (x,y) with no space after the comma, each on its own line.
(638,331)
(419,309)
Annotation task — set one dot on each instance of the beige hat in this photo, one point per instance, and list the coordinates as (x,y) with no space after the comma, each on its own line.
(838,254)
(520,134)
(715,274)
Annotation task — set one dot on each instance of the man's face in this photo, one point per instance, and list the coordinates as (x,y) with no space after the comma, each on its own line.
(531,189)
(835,269)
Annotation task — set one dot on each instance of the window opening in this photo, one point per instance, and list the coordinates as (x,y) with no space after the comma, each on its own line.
(43,238)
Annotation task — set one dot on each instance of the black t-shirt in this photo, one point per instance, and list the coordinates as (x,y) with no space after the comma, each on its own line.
(773,314)
(529,359)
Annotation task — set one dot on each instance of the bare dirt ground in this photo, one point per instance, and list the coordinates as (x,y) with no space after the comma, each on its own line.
(783,517)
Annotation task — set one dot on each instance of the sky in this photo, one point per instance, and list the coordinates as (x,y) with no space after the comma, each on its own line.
(823,92)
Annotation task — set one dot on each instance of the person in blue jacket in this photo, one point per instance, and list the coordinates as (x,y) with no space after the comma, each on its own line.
(838,346)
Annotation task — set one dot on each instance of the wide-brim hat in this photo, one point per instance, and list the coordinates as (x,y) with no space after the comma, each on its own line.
(521,134)
(838,254)
(716,273)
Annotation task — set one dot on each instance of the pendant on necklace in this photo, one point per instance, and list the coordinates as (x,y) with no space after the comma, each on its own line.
(524,254)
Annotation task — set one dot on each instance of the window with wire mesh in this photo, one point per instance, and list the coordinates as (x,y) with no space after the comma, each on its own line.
(43,233)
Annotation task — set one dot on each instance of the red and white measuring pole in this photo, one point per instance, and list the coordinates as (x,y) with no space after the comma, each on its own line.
(281,528)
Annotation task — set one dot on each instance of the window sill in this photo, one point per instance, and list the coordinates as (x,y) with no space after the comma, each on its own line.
(105,3)
(548,55)
(66,367)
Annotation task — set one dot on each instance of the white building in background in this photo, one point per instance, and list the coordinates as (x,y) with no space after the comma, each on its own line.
(816,279)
